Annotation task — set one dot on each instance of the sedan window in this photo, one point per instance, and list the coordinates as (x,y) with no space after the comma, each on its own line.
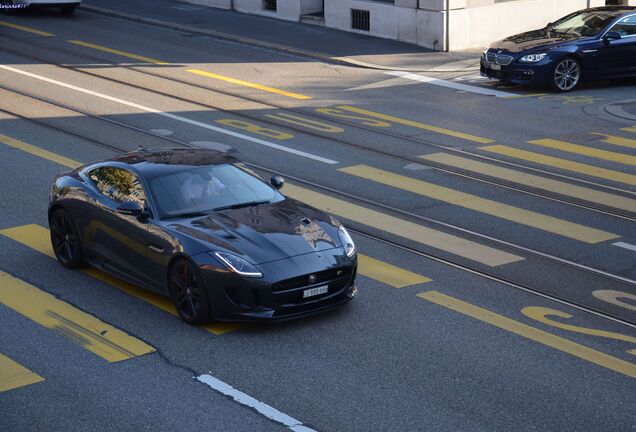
(118,184)
(203,189)
(626,27)
(582,23)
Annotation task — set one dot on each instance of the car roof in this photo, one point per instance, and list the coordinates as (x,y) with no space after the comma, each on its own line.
(151,162)
(613,10)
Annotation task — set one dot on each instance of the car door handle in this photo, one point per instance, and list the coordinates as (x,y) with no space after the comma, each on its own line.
(155,248)
(590,51)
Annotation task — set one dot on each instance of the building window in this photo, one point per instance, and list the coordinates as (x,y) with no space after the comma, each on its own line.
(360,20)
(269,5)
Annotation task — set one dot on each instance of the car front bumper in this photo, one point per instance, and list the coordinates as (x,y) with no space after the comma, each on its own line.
(531,73)
(278,295)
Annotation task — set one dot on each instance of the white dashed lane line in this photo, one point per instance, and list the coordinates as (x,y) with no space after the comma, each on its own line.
(451,84)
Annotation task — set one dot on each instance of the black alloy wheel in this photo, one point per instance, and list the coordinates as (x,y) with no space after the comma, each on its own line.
(566,74)
(65,240)
(188,293)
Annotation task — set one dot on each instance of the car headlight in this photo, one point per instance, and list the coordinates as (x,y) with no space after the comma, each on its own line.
(238,265)
(533,58)
(347,241)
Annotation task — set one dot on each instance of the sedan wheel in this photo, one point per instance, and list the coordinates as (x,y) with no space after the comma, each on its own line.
(65,240)
(188,293)
(567,74)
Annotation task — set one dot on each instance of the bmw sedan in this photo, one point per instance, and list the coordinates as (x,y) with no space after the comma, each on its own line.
(592,44)
(203,228)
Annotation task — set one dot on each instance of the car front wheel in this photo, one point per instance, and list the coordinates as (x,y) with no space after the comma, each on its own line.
(566,74)
(188,293)
(65,240)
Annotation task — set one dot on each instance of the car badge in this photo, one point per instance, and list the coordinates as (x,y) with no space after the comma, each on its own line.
(313,278)
(499,52)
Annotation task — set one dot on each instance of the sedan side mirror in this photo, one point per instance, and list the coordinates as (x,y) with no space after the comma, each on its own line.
(612,35)
(131,208)
(277,181)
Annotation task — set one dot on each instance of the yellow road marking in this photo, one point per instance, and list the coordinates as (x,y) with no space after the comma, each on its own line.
(417,125)
(36,151)
(405,229)
(473,202)
(564,164)
(118,52)
(96,336)
(37,237)
(585,151)
(616,140)
(532,333)
(248,84)
(541,314)
(629,129)
(526,96)
(583,193)
(14,375)
(388,274)
(26,29)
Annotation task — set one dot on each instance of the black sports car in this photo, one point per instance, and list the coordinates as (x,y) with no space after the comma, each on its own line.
(592,44)
(203,228)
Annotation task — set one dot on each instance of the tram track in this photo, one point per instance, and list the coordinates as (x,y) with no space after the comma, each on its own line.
(611,279)
(544,194)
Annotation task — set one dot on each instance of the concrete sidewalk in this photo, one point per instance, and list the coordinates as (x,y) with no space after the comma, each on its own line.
(311,41)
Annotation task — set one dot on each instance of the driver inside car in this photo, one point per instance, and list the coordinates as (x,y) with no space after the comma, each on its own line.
(201,189)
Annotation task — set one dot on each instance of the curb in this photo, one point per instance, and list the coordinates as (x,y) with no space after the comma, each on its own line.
(343,61)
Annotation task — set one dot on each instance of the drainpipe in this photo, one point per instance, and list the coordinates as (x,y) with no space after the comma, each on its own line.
(448,26)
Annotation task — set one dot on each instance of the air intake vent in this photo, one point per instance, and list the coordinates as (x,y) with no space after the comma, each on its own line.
(360,20)
(269,5)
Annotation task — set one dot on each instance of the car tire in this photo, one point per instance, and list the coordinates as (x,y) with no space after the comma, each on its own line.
(65,240)
(189,293)
(68,10)
(566,75)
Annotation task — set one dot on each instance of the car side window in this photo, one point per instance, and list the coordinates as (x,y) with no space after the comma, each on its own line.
(626,27)
(119,185)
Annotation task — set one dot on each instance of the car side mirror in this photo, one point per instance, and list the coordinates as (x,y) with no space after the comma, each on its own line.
(131,208)
(612,35)
(277,181)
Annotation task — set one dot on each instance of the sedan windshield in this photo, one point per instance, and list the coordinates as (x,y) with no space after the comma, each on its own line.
(200,190)
(583,23)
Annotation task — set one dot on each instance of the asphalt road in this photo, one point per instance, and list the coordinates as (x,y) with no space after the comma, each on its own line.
(498,290)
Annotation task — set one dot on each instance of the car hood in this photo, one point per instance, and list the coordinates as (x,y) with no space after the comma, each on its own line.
(264,233)
(534,39)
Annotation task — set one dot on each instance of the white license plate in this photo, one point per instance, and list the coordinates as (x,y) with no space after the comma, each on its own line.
(316,291)
(494,66)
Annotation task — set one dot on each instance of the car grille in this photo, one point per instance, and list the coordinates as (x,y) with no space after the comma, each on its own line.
(290,291)
(500,59)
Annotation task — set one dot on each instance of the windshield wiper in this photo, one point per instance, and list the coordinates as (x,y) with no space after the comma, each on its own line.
(241,205)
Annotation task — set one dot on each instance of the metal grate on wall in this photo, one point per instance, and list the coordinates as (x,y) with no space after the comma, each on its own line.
(269,5)
(360,19)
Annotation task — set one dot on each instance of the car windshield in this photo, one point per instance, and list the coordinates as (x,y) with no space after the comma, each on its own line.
(582,23)
(200,190)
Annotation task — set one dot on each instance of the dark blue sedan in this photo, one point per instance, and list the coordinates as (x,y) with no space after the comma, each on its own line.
(592,44)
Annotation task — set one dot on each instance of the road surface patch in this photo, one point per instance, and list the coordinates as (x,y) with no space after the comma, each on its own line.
(532,333)
(585,151)
(248,84)
(616,140)
(117,52)
(79,327)
(514,214)
(581,168)
(26,29)
(387,273)
(451,84)
(13,375)
(534,181)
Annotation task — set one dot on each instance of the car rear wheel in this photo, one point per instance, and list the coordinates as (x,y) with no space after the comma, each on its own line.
(65,240)
(566,75)
(188,293)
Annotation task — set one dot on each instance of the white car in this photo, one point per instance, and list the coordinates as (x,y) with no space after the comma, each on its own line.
(67,7)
